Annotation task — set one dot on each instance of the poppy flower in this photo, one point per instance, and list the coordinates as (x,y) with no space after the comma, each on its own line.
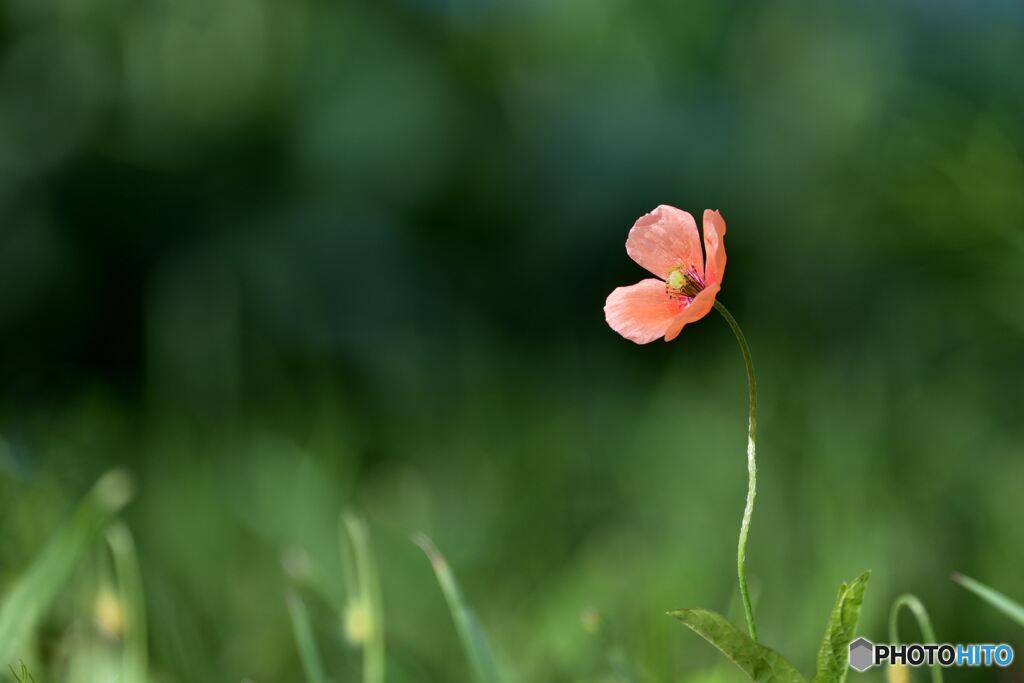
(666,243)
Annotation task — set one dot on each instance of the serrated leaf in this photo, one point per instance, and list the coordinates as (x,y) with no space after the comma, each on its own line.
(761,664)
(834,654)
(993,597)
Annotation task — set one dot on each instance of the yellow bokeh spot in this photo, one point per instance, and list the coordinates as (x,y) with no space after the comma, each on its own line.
(358,622)
(898,673)
(108,614)
(591,620)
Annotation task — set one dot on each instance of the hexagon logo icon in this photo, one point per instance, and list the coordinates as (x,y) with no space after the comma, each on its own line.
(862,654)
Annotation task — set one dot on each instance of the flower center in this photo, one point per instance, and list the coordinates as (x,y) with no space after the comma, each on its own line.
(684,282)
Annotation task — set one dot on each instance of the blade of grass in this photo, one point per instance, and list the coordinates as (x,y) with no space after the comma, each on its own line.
(303,631)
(32,593)
(135,658)
(916,608)
(365,593)
(993,597)
(472,636)
(25,676)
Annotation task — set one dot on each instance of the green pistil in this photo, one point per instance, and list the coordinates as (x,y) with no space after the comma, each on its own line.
(683,281)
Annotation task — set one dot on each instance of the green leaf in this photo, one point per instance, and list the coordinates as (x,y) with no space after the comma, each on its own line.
(834,654)
(32,593)
(472,636)
(761,664)
(993,597)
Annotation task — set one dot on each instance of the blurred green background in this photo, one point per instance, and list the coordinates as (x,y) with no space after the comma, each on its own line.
(278,259)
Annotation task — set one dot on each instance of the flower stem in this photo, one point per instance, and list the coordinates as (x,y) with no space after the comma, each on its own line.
(748,510)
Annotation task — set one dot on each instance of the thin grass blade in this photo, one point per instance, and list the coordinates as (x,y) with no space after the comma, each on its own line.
(135,657)
(1009,607)
(32,593)
(302,628)
(472,636)
(924,623)
(365,595)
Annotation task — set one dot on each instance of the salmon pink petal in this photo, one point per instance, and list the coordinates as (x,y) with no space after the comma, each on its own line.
(666,239)
(642,312)
(714,233)
(697,309)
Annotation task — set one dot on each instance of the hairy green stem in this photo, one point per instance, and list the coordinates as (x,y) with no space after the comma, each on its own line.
(916,608)
(748,510)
